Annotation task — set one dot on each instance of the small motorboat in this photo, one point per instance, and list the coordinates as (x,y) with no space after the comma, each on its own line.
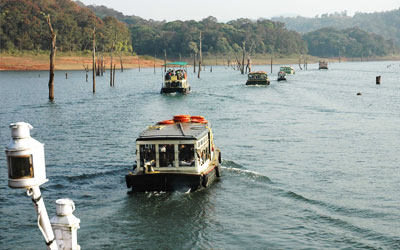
(175,80)
(281,76)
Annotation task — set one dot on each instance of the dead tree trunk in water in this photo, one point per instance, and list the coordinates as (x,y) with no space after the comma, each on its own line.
(271,64)
(111,64)
(102,64)
(248,66)
(94,62)
(154,63)
(237,63)
(52,55)
(165,61)
(194,62)
(139,62)
(200,56)
(120,61)
(86,70)
(300,64)
(114,76)
(244,53)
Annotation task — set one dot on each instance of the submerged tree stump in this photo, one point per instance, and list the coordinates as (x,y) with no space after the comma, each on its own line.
(378,80)
(114,76)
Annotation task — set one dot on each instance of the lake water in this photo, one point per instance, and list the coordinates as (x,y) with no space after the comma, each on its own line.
(306,163)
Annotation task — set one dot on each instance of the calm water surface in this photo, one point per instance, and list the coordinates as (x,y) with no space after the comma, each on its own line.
(307,163)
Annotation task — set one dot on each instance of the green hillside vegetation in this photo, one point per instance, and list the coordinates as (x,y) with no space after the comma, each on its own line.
(386,24)
(24,27)
(181,37)
(352,42)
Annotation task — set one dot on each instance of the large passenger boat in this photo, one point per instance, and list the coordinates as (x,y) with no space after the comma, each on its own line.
(175,80)
(177,154)
(289,70)
(257,78)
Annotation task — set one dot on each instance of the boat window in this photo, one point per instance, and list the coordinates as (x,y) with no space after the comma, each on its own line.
(203,155)
(202,142)
(148,155)
(186,155)
(166,154)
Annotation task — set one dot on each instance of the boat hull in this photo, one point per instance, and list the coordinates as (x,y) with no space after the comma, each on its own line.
(258,82)
(281,79)
(175,90)
(172,181)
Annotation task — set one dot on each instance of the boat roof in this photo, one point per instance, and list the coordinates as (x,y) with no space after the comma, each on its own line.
(258,72)
(175,64)
(176,131)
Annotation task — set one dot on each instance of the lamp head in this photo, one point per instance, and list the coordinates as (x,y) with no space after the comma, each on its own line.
(25,158)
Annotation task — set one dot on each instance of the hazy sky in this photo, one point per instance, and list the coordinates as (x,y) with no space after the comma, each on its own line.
(232,9)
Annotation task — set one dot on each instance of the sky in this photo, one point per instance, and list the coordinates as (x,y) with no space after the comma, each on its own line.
(226,10)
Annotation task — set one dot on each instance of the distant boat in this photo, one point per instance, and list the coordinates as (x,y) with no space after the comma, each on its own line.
(289,70)
(175,155)
(281,76)
(175,80)
(257,78)
(323,65)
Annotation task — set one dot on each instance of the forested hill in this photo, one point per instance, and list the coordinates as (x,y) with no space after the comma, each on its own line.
(352,42)
(386,23)
(261,36)
(182,37)
(23,26)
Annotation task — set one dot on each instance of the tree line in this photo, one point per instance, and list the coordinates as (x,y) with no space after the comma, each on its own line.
(23,27)
(181,37)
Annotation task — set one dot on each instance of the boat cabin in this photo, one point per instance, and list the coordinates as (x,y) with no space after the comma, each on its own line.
(289,70)
(174,148)
(323,65)
(175,79)
(175,153)
(281,76)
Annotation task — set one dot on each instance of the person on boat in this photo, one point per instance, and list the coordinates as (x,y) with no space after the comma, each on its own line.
(190,155)
(186,155)
(168,75)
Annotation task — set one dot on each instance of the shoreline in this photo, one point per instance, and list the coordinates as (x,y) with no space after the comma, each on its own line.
(70,62)
(30,62)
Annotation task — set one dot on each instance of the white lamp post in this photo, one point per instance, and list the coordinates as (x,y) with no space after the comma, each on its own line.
(27,169)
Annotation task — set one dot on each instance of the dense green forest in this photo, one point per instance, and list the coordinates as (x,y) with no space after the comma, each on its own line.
(23,26)
(386,24)
(352,42)
(263,36)
(182,37)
